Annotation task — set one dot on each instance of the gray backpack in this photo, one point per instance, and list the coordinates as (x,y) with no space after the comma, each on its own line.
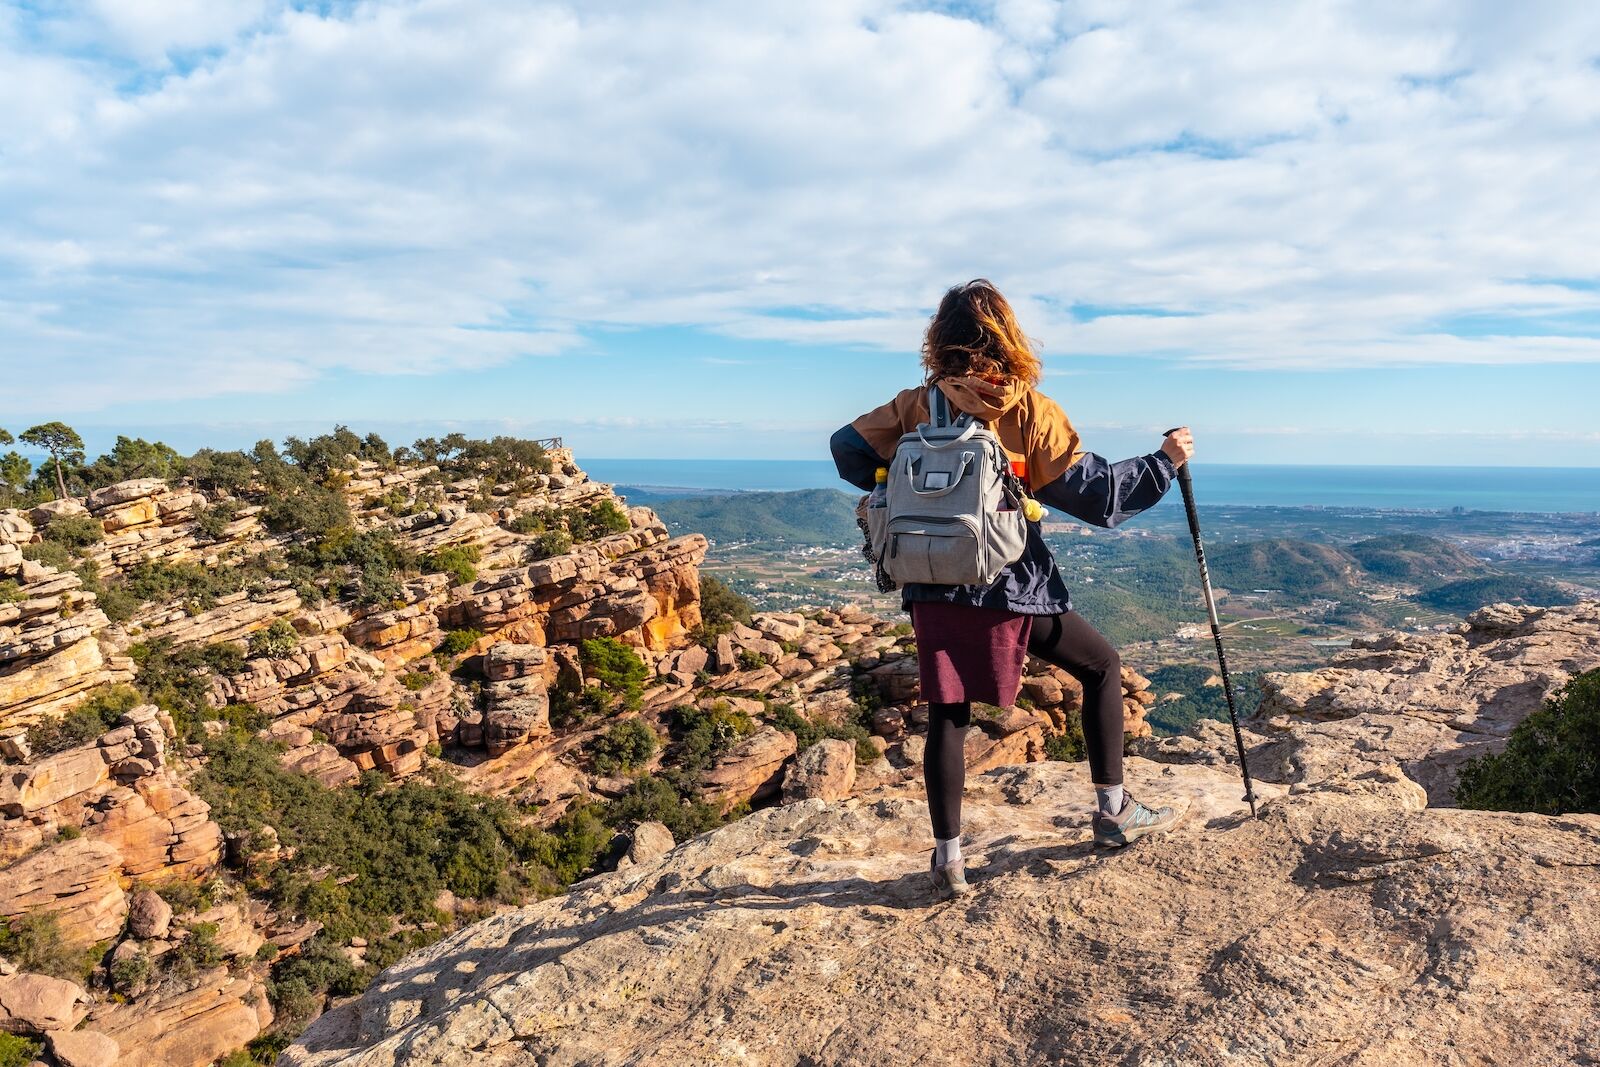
(952,513)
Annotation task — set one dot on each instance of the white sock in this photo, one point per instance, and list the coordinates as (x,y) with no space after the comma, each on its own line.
(1110,798)
(946,850)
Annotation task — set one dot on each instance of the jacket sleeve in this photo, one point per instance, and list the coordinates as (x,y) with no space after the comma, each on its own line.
(855,459)
(1108,494)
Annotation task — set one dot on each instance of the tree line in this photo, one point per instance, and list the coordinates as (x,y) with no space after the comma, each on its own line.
(67,472)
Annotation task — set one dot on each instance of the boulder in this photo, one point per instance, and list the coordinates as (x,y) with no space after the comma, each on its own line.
(648,841)
(78,881)
(84,1048)
(506,660)
(750,771)
(825,771)
(38,1003)
(1348,918)
(149,915)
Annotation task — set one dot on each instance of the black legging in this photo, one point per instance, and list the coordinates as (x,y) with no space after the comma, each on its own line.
(1069,642)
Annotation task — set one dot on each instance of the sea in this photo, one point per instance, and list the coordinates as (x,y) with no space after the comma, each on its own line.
(1569,490)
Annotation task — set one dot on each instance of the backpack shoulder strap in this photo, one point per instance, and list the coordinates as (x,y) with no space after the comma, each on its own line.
(939,410)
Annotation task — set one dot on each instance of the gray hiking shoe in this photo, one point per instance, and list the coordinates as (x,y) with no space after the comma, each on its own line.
(1132,822)
(949,880)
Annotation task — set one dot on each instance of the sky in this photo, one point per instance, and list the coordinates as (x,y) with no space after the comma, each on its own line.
(1312,232)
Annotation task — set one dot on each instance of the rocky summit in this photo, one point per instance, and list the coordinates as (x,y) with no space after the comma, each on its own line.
(1352,923)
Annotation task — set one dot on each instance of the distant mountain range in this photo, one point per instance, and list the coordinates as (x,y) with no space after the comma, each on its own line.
(1142,575)
(802,517)
(1297,566)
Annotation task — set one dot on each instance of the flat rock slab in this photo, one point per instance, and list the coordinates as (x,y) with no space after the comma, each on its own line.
(1348,925)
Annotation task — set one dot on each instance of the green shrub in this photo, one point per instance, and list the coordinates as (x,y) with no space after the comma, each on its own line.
(196,952)
(396,502)
(97,713)
(178,679)
(300,984)
(1551,762)
(667,800)
(34,943)
(49,554)
(751,660)
(198,587)
(720,607)
(74,531)
(551,543)
(703,735)
(807,733)
(305,508)
(361,857)
(17,1051)
(130,972)
(1067,745)
(573,843)
(10,592)
(456,561)
(626,745)
(368,564)
(245,716)
(213,521)
(604,518)
(458,641)
(526,523)
(274,641)
(416,681)
(618,675)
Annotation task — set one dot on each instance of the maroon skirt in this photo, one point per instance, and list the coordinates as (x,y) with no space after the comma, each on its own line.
(969,653)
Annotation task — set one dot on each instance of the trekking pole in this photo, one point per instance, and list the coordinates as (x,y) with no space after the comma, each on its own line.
(1187,485)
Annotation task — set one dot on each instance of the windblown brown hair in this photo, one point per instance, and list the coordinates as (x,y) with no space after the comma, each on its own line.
(975,332)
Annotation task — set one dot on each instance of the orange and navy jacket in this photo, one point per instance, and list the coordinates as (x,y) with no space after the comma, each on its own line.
(1037,435)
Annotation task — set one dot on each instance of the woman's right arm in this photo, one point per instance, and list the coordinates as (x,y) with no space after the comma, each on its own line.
(857,462)
(860,448)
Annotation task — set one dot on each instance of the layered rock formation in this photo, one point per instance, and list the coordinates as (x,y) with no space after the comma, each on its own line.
(84,823)
(1428,702)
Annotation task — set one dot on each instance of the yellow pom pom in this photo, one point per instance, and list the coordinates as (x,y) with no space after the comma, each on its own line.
(1031,509)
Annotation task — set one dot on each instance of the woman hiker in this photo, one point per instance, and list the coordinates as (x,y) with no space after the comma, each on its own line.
(971,640)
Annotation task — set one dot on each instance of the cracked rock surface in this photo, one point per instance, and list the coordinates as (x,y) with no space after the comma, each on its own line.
(1349,925)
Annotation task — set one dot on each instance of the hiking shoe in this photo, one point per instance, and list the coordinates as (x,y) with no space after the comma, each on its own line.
(949,880)
(1132,822)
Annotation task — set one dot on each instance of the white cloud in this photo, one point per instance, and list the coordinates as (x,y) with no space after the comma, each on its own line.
(1313,185)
